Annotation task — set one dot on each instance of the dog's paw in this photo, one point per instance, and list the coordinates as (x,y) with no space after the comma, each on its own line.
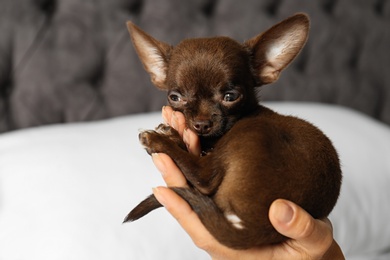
(172,134)
(151,140)
(162,139)
(166,130)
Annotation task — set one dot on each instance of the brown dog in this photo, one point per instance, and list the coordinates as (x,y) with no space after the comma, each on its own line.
(254,155)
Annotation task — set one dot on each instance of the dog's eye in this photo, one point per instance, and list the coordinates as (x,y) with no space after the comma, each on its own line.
(231,96)
(175,97)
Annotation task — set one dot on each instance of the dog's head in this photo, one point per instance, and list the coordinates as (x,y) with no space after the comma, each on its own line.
(212,81)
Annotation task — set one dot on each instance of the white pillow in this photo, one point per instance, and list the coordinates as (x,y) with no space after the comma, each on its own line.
(65,189)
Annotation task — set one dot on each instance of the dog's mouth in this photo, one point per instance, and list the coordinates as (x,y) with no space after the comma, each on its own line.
(205,132)
(212,126)
(211,131)
(209,128)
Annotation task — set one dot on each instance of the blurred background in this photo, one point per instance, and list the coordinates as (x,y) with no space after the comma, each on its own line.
(72,60)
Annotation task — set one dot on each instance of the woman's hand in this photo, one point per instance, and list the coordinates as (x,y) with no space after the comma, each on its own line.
(309,238)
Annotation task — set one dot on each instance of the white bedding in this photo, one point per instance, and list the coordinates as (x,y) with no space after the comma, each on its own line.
(65,189)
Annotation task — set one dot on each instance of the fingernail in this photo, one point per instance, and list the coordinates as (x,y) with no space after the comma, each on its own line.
(283,212)
(159,196)
(159,163)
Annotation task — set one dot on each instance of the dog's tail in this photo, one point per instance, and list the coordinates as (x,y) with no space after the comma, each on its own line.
(198,202)
(227,229)
(146,206)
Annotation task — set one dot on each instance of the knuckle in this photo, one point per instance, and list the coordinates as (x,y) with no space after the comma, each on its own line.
(308,230)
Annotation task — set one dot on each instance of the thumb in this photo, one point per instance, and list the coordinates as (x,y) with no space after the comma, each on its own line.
(307,234)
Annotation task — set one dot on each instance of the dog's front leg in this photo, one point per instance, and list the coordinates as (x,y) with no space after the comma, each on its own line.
(195,169)
(167,140)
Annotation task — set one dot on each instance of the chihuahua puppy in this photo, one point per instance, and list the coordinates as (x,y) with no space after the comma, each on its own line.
(253,155)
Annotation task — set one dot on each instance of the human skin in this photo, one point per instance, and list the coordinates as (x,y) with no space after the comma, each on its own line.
(309,238)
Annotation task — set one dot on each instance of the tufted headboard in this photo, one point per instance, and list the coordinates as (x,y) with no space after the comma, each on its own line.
(72,60)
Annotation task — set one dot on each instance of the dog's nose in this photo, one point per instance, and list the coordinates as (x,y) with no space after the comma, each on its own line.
(202,127)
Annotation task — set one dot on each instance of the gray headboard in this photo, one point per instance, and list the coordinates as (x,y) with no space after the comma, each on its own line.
(72,60)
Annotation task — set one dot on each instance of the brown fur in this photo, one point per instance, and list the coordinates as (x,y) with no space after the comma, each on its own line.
(254,155)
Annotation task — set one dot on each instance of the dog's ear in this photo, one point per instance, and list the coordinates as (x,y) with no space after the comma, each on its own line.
(153,54)
(274,49)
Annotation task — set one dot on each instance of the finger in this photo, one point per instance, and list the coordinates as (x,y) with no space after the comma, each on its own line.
(178,122)
(184,214)
(168,169)
(174,118)
(192,141)
(166,113)
(308,234)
